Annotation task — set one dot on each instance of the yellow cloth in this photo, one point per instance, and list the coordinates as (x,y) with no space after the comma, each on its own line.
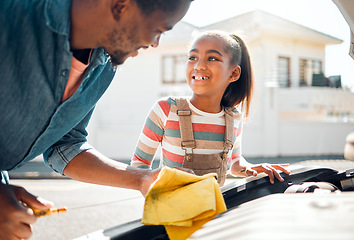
(183,202)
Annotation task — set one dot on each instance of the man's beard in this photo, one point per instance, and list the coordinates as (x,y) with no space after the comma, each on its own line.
(118,58)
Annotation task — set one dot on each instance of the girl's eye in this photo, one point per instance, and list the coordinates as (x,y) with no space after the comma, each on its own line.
(213,59)
(191,58)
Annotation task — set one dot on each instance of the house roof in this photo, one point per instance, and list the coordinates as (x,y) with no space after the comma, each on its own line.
(249,23)
(182,31)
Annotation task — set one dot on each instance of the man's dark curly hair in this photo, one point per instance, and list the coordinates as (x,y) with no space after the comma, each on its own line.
(149,6)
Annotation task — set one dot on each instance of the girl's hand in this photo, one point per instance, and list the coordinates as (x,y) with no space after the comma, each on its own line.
(269,169)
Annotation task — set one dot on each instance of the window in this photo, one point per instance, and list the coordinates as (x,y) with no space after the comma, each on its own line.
(303,71)
(174,69)
(307,69)
(284,71)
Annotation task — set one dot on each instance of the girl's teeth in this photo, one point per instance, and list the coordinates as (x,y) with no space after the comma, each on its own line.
(201,78)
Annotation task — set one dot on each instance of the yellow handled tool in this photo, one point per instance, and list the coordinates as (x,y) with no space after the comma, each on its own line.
(42,213)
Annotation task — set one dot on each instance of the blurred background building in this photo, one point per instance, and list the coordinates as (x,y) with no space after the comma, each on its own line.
(297,109)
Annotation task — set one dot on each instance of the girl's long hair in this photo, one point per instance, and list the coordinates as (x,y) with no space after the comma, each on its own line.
(239,93)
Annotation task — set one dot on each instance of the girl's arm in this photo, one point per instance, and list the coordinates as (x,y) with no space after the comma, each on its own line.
(241,168)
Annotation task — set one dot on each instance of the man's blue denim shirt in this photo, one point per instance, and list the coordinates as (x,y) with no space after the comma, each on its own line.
(35,64)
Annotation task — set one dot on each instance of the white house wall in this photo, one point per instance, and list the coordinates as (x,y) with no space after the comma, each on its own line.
(120,114)
(312,138)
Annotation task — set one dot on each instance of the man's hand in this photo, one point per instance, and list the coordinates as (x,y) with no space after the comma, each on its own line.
(151,177)
(148,179)
(15,218)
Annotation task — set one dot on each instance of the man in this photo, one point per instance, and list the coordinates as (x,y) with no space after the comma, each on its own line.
(57,59)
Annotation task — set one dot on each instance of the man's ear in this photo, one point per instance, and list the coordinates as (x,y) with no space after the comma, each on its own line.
(236,73)
(118,7)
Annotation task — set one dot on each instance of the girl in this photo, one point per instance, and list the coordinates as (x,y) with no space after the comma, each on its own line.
(203,133)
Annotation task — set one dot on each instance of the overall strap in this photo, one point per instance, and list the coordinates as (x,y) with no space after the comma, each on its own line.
(185,124)
(229,129)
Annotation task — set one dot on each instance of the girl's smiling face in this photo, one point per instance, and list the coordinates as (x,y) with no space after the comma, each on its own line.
(209,69)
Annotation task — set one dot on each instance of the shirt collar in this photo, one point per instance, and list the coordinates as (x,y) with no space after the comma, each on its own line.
(58,15)
(58,18)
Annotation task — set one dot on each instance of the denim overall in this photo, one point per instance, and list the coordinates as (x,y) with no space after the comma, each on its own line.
(204,163)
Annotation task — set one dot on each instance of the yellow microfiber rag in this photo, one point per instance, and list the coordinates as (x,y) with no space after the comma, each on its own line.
(183,202)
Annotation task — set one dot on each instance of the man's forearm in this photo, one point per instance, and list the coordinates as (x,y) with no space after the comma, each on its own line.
(93,167)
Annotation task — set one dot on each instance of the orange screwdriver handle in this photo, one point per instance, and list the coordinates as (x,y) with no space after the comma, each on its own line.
(42,213)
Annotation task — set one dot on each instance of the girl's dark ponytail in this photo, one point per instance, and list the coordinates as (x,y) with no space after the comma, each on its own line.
(240,91)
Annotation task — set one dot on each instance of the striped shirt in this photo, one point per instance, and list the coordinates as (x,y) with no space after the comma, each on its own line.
(162,128)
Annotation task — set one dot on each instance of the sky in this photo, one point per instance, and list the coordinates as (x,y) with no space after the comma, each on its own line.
(320,15)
